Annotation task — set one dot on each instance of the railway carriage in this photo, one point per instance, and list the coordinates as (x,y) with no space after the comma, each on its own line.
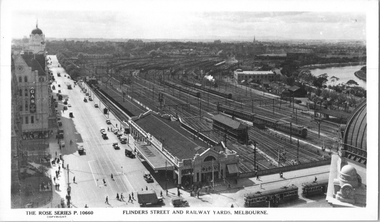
(314,188)
(262,121)
(183,89)
(272,197)
(199,86)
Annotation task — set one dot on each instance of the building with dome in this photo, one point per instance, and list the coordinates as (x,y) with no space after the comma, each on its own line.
(37,41)
(33,92)
(348,174)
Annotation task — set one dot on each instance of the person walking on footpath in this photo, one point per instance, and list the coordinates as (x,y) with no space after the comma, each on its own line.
(315,179)
(129,199)
(107,200)
(117,196)
(73,179)
(121,197)
(112,176)
(54,179)
(133,196)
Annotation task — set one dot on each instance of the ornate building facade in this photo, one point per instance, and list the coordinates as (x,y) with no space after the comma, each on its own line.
(348,170)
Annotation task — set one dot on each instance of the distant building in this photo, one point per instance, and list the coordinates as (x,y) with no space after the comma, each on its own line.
(217,41)
(37,41)
(243,76)
(348,171)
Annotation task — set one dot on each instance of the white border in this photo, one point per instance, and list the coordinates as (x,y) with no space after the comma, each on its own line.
(371,7)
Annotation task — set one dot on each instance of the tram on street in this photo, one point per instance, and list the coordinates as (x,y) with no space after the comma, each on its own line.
(271,198)
(314,188)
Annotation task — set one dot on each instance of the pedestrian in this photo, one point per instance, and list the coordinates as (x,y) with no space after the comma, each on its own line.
(116,125)
(54,179)
(121,197)
(58,186)
(161,193)
(117,196)
(73,179)
(142,189)
(133,196)
(232,206)
(85,206)
(261,186)
(257,177)
(315,179)
(106,200)
(130,199)
(280,174)
(59,168)
(112,176)
(146,187)
(104,182)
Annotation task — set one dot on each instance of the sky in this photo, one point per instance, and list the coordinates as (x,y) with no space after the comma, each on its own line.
(129,19)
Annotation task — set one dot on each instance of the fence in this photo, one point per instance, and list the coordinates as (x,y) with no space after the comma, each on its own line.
(285,169)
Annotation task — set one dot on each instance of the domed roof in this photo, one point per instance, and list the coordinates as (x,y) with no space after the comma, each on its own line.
(355,135)
(348,170)
(36,31)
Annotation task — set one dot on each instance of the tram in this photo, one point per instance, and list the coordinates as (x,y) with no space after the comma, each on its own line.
(314,188)
(271,198)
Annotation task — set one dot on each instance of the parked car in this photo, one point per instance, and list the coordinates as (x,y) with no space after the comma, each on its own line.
(123,140)
(116,146)
(59,85)
(104,136)
(148,177)
(65,108)
(128,152)
(81,150)
(179,202)
(71,115)
(102,130)
(59,91)
(65,102)
(96,106)
(108,122)
(89,98)
(148,197)
(85,100)
(69,105)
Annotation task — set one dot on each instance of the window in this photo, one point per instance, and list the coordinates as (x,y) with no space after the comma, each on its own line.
(25,79)
(19,79)
(20,92)
(26,92)
(32,119)
(26,105)
(20,107)
(26,120)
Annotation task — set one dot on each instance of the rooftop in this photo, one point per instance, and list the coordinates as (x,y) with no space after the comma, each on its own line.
(255,72)
(228,121)
(175,139)
(35,61)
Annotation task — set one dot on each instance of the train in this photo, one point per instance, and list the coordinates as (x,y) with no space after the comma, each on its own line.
(314,188)
(199,86)
(271,198)
(262,121)
(192,92)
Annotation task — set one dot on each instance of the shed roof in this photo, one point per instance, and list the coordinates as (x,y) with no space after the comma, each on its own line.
(228,121)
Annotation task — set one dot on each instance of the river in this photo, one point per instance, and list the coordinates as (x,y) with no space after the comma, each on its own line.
(344,74)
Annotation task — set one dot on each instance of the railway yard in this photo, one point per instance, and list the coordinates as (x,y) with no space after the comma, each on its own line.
(166,90)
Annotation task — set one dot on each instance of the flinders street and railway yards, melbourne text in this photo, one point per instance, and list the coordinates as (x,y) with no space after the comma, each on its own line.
(198,212)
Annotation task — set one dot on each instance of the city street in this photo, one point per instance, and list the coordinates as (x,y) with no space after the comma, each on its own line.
(101,159)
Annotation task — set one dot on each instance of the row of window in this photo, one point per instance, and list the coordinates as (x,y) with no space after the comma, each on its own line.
(41,79)
(256,76)
(27,120)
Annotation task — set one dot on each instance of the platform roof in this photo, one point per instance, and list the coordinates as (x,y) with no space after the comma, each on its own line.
(154,157)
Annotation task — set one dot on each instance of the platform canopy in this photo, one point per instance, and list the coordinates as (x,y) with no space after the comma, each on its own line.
(154,157)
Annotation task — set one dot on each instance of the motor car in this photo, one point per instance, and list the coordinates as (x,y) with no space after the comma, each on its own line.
(108,121)
(69,105)
(65,108)
(64,75)
(96,106)
(81,150)
(129,154)
(105,137)
(102,130)
(59,85)
(59,91)
(62,143)
(89,98)
(71,115)
(179,202)
(116,146)
(148,177)
(85,100)
(115,130)
(123,140)
(65,102)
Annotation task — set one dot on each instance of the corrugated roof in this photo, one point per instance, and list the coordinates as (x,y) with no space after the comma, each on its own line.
(294,88)
(356,129)
(228,121)
(176,140)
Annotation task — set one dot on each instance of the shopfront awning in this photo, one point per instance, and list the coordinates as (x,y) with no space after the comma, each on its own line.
(232,168)
(153,157)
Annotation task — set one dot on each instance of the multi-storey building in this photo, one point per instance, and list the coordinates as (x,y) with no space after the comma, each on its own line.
(33,92)
(256,76)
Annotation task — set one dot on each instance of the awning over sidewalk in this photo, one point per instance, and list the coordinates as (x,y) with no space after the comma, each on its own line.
(232,168)
(154,157)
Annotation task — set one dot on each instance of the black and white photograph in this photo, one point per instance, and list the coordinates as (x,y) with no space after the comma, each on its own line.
(189,110)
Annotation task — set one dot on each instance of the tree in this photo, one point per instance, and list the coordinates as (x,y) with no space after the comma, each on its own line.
(352,82)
